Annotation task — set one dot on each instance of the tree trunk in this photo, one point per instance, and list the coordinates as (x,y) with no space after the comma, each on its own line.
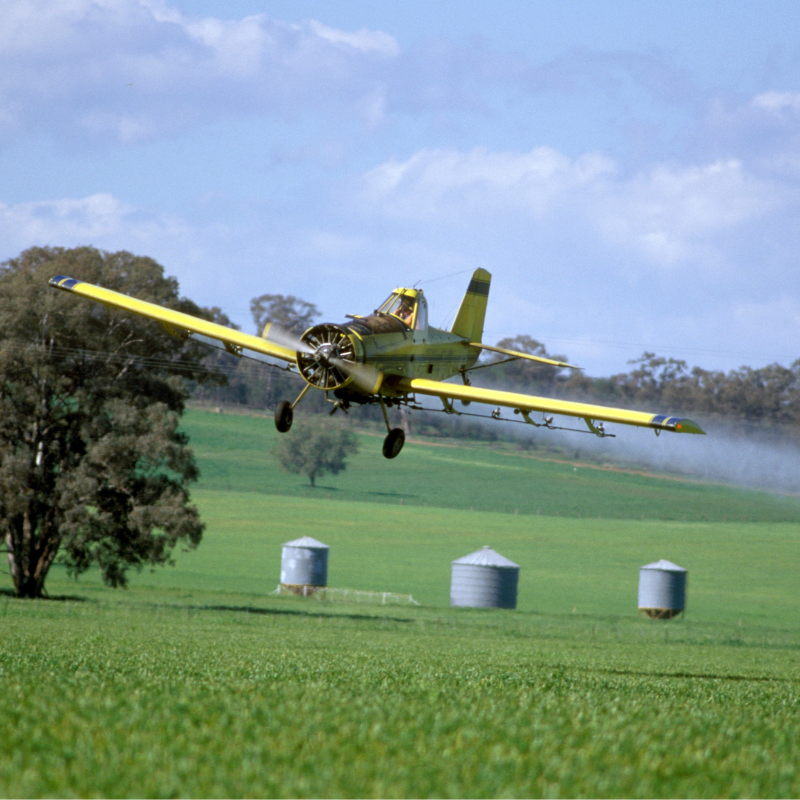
(30,564)
(26,583)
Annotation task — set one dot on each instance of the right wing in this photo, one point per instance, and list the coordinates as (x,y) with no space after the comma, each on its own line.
(180,324)
(525,404)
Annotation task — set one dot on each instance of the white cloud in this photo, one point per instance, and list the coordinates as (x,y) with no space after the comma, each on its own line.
(671,215)
(777,102)
(363,40)
(762,131)
(128,69)
(237,49)
(451,183)
(99,219)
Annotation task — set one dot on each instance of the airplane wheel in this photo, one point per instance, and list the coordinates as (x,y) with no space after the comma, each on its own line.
(284,416)
(393,443)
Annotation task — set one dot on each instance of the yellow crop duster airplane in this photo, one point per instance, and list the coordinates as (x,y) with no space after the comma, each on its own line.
(387,357)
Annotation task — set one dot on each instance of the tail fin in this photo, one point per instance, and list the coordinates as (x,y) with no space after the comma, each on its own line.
(469,320)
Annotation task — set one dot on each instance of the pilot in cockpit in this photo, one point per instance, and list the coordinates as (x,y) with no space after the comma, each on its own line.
(406,311)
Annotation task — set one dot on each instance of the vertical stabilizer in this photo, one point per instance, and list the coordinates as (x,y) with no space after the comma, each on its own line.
(469,320)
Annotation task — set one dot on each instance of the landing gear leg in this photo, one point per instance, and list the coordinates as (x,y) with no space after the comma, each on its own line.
(396,438)
(466,383)
(284,413)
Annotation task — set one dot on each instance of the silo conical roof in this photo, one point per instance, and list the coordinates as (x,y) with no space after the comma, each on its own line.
(664,565)
(307,541)
(486,557)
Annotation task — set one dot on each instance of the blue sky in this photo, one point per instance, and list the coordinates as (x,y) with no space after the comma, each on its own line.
(628,172)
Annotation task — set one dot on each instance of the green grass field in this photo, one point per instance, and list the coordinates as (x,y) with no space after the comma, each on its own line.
(196,681)
(235,452)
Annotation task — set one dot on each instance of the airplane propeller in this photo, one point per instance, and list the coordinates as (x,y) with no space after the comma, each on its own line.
(326,357)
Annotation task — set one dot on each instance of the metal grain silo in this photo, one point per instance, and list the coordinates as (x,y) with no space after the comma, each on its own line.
(304,565)
(662,589)
(484,579)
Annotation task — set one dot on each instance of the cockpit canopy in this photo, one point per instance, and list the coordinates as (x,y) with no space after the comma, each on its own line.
(409,306)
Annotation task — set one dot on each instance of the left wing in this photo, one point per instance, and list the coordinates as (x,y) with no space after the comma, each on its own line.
(180,324)
(526,403)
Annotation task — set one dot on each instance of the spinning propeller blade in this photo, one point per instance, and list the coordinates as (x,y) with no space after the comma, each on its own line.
(274,333)
(365,376)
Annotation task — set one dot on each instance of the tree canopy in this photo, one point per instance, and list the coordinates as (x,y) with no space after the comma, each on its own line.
(541,377)
(92,462)
(287,311)
(317,446)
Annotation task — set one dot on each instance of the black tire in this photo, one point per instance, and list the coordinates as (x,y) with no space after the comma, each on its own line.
(284,416)
(393,443)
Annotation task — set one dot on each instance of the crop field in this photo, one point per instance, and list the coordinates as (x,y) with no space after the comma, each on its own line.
(235,452)
(198,681)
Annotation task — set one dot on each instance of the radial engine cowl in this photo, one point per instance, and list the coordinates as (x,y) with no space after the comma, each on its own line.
(332,352)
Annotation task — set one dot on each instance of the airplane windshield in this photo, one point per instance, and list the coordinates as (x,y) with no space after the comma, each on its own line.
(391,305)
(400,306)
(409,306)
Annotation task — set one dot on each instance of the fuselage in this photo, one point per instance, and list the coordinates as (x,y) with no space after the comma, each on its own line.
(394,341)
(396,349)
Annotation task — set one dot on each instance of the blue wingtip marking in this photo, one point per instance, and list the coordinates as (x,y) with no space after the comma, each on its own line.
(663,421)
(63,282)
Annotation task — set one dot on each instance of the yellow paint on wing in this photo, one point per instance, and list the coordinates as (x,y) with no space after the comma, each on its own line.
(176,320)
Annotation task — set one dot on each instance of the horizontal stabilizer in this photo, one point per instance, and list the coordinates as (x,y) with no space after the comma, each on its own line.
(526,356)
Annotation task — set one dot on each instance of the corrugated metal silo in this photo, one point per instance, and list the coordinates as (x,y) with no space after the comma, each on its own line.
(662,589)
(304,565)
(484,579)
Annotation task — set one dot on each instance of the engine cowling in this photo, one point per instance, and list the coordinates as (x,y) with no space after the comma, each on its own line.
(332,349)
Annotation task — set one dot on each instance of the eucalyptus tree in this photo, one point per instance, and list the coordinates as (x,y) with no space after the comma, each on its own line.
(93,465)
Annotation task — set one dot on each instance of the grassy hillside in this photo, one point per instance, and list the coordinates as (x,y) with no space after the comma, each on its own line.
(235,452)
